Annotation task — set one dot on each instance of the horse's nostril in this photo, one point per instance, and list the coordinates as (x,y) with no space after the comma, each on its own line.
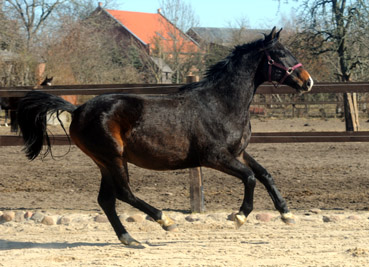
(309,83)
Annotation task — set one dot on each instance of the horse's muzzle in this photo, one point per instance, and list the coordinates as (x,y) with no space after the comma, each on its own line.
(308,85)
(304,81)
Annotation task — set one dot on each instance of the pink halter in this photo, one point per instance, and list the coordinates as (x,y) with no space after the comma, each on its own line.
(289,70)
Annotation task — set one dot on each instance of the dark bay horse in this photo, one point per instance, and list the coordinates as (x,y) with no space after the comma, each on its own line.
(206,124)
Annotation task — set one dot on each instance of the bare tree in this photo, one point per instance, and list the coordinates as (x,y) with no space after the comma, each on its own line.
(16,66)
(337,29)
(180,13)
(80,9)
(32,14)
(10,35)
(56,31)
(24,20)
(175,50)
(239,28)
(81,53)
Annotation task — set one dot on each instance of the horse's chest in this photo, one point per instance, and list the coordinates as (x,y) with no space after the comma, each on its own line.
(238,137)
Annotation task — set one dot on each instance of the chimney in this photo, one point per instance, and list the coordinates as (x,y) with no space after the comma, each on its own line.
(100,4)
(159,10)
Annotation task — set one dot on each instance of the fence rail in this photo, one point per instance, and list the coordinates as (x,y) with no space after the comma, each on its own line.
(272,137)
(96,89)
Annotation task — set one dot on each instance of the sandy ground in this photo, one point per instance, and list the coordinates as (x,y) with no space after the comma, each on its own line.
(329,176)
(211,241)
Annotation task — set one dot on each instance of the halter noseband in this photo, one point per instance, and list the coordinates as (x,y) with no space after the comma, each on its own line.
(271,63)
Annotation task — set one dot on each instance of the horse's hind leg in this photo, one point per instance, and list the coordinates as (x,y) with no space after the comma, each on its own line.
(108,155)
(267,180)
(13,121)
(114,185)
(106,200)
(6,117)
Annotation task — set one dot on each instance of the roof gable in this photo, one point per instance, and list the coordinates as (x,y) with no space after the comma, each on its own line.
(150,28)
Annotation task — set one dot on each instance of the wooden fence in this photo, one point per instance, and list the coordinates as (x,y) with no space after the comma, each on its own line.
(95,89)
(196,189)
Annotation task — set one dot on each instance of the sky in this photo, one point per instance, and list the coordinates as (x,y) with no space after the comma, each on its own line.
(224,13)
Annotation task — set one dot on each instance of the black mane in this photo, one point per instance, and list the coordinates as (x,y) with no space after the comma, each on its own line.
(221,69)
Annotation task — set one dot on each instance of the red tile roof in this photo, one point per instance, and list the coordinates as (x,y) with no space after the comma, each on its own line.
(148,27)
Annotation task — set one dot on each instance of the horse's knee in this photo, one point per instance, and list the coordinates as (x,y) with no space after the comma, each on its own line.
(250,181)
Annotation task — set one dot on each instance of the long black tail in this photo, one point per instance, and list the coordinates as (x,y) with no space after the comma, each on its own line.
(32,112)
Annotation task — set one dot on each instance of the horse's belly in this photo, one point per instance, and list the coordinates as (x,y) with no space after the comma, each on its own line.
(159,162)
(164,154)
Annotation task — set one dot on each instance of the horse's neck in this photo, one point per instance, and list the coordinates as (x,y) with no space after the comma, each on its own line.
(238,89)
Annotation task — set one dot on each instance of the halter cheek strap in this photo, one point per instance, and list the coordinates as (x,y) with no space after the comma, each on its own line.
(271,63)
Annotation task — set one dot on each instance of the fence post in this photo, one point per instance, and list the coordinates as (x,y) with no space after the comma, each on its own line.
(351,112)
(196,185)
(196,190)
(356,111)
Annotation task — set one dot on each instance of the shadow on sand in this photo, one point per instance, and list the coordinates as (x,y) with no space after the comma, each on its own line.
(10,245)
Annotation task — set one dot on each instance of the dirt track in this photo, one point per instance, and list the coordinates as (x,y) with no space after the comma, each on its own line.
(329,176)
(211,241)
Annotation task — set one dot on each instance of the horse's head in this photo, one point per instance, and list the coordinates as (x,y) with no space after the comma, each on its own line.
(47,81)
(279,65)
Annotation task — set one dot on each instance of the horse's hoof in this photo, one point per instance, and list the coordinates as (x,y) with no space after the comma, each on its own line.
(128,241)
(240,219)
(288,218)
(167,223)
(171,228)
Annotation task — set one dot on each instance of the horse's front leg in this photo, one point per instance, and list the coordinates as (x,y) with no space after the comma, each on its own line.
(238,169)
(267,180)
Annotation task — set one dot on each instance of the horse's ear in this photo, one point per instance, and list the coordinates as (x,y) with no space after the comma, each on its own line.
(272,37)
(277,34)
